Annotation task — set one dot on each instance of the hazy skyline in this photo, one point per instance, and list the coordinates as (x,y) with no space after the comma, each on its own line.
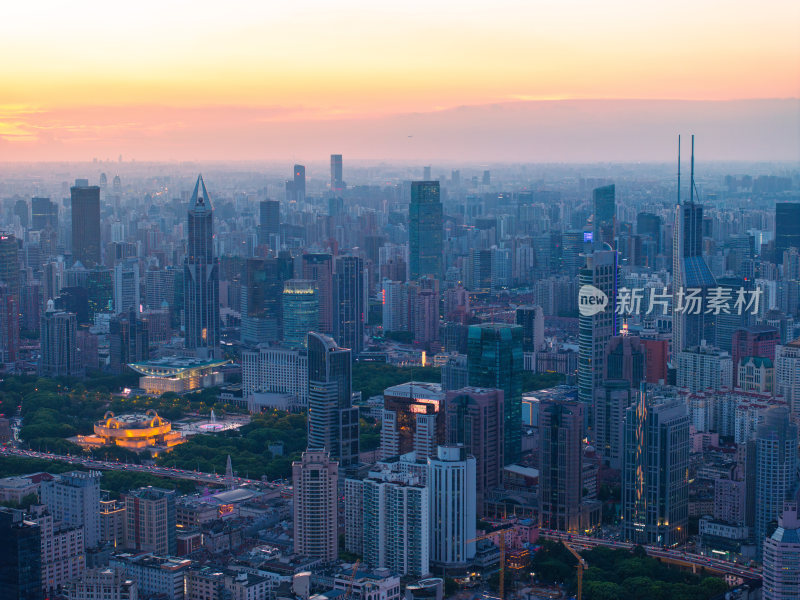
(200,80)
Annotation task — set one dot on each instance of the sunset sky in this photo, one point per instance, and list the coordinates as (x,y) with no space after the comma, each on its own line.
(174,80)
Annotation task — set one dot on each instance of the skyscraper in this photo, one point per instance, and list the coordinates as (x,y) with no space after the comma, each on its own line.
(319,269)
(495,360)
(474,418)
(151,521)
(128,341)
(413,419)
(349,303)
(531,319)
(332,419)
(59,344)
(20,557)
(85,223)
(44,214)
(296,187)
(604,222)
(337,183)
(655,474)
(261,301)
(126,286)
(9,262)
(624,373)
(561,464)
(201,276)
(787,228)
(425,230)
(595,330)
(300,311)
(787,374)
(774,451)
(756,340)
(269,221)
(689,271)
(451,488)
(74,499)
(315,484)
(9,325)
(782,558)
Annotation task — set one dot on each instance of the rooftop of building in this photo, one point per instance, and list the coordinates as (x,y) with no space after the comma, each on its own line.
(418,390)
(173,365)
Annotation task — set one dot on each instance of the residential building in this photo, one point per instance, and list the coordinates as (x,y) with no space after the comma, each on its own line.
(704,367)
(315,483)
(451,483)
(151,520)
(102,584)
(781,574)
(74,500)
(787,374)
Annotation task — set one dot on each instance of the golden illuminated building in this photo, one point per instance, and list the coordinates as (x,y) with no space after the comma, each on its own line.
(135,432)
(178,374)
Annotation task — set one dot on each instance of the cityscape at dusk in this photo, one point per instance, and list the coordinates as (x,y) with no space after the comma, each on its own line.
(418,301)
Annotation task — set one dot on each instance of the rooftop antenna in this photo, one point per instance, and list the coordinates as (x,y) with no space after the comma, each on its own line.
(679,169)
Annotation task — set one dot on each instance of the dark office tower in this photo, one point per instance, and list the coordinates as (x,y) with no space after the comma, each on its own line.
(100,291)
(650,225)
(9,325)
(655,474)
(624,371)
(474,418)
(319,269)
(560,464)
(689,270)
(20,557)
(332,419)
(201,276)
(262,287)
(44,214)
(337,184)
(21,211)
(425,230)
(299,183)
(9,262)
(426,173)
(349,296)
(269,220)
(487,178)
(605,216)
(58,334)
(595,330)
(128,341)
(531,319)
(787,228)
(85,223)
(495,360)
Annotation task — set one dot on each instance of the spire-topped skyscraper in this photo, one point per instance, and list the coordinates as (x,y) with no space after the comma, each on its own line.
(689,270)
(201,276)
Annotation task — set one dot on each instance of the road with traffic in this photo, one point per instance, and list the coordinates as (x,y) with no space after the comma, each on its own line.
(676,556)
(160,471)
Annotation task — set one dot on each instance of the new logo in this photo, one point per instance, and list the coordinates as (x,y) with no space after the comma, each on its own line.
(591,300)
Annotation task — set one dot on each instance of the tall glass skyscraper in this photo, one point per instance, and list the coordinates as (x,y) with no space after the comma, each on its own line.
(605,216)
(201,276)
(787,228)
(85,223)
(332,419)
(425,230)
(495,360)
(300,311)
(349,303)
(337,183)
(262,291)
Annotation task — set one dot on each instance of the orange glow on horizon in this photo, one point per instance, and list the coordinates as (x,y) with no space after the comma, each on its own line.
(94,76)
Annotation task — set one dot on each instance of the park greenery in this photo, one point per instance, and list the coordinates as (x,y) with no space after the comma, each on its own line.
(622,575)
(372,378)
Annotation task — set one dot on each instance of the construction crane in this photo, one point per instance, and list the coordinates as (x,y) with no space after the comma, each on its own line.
(348,592)
(581,567)
(502,545)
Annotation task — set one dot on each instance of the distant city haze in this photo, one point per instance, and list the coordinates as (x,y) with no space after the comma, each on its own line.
(490,81)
